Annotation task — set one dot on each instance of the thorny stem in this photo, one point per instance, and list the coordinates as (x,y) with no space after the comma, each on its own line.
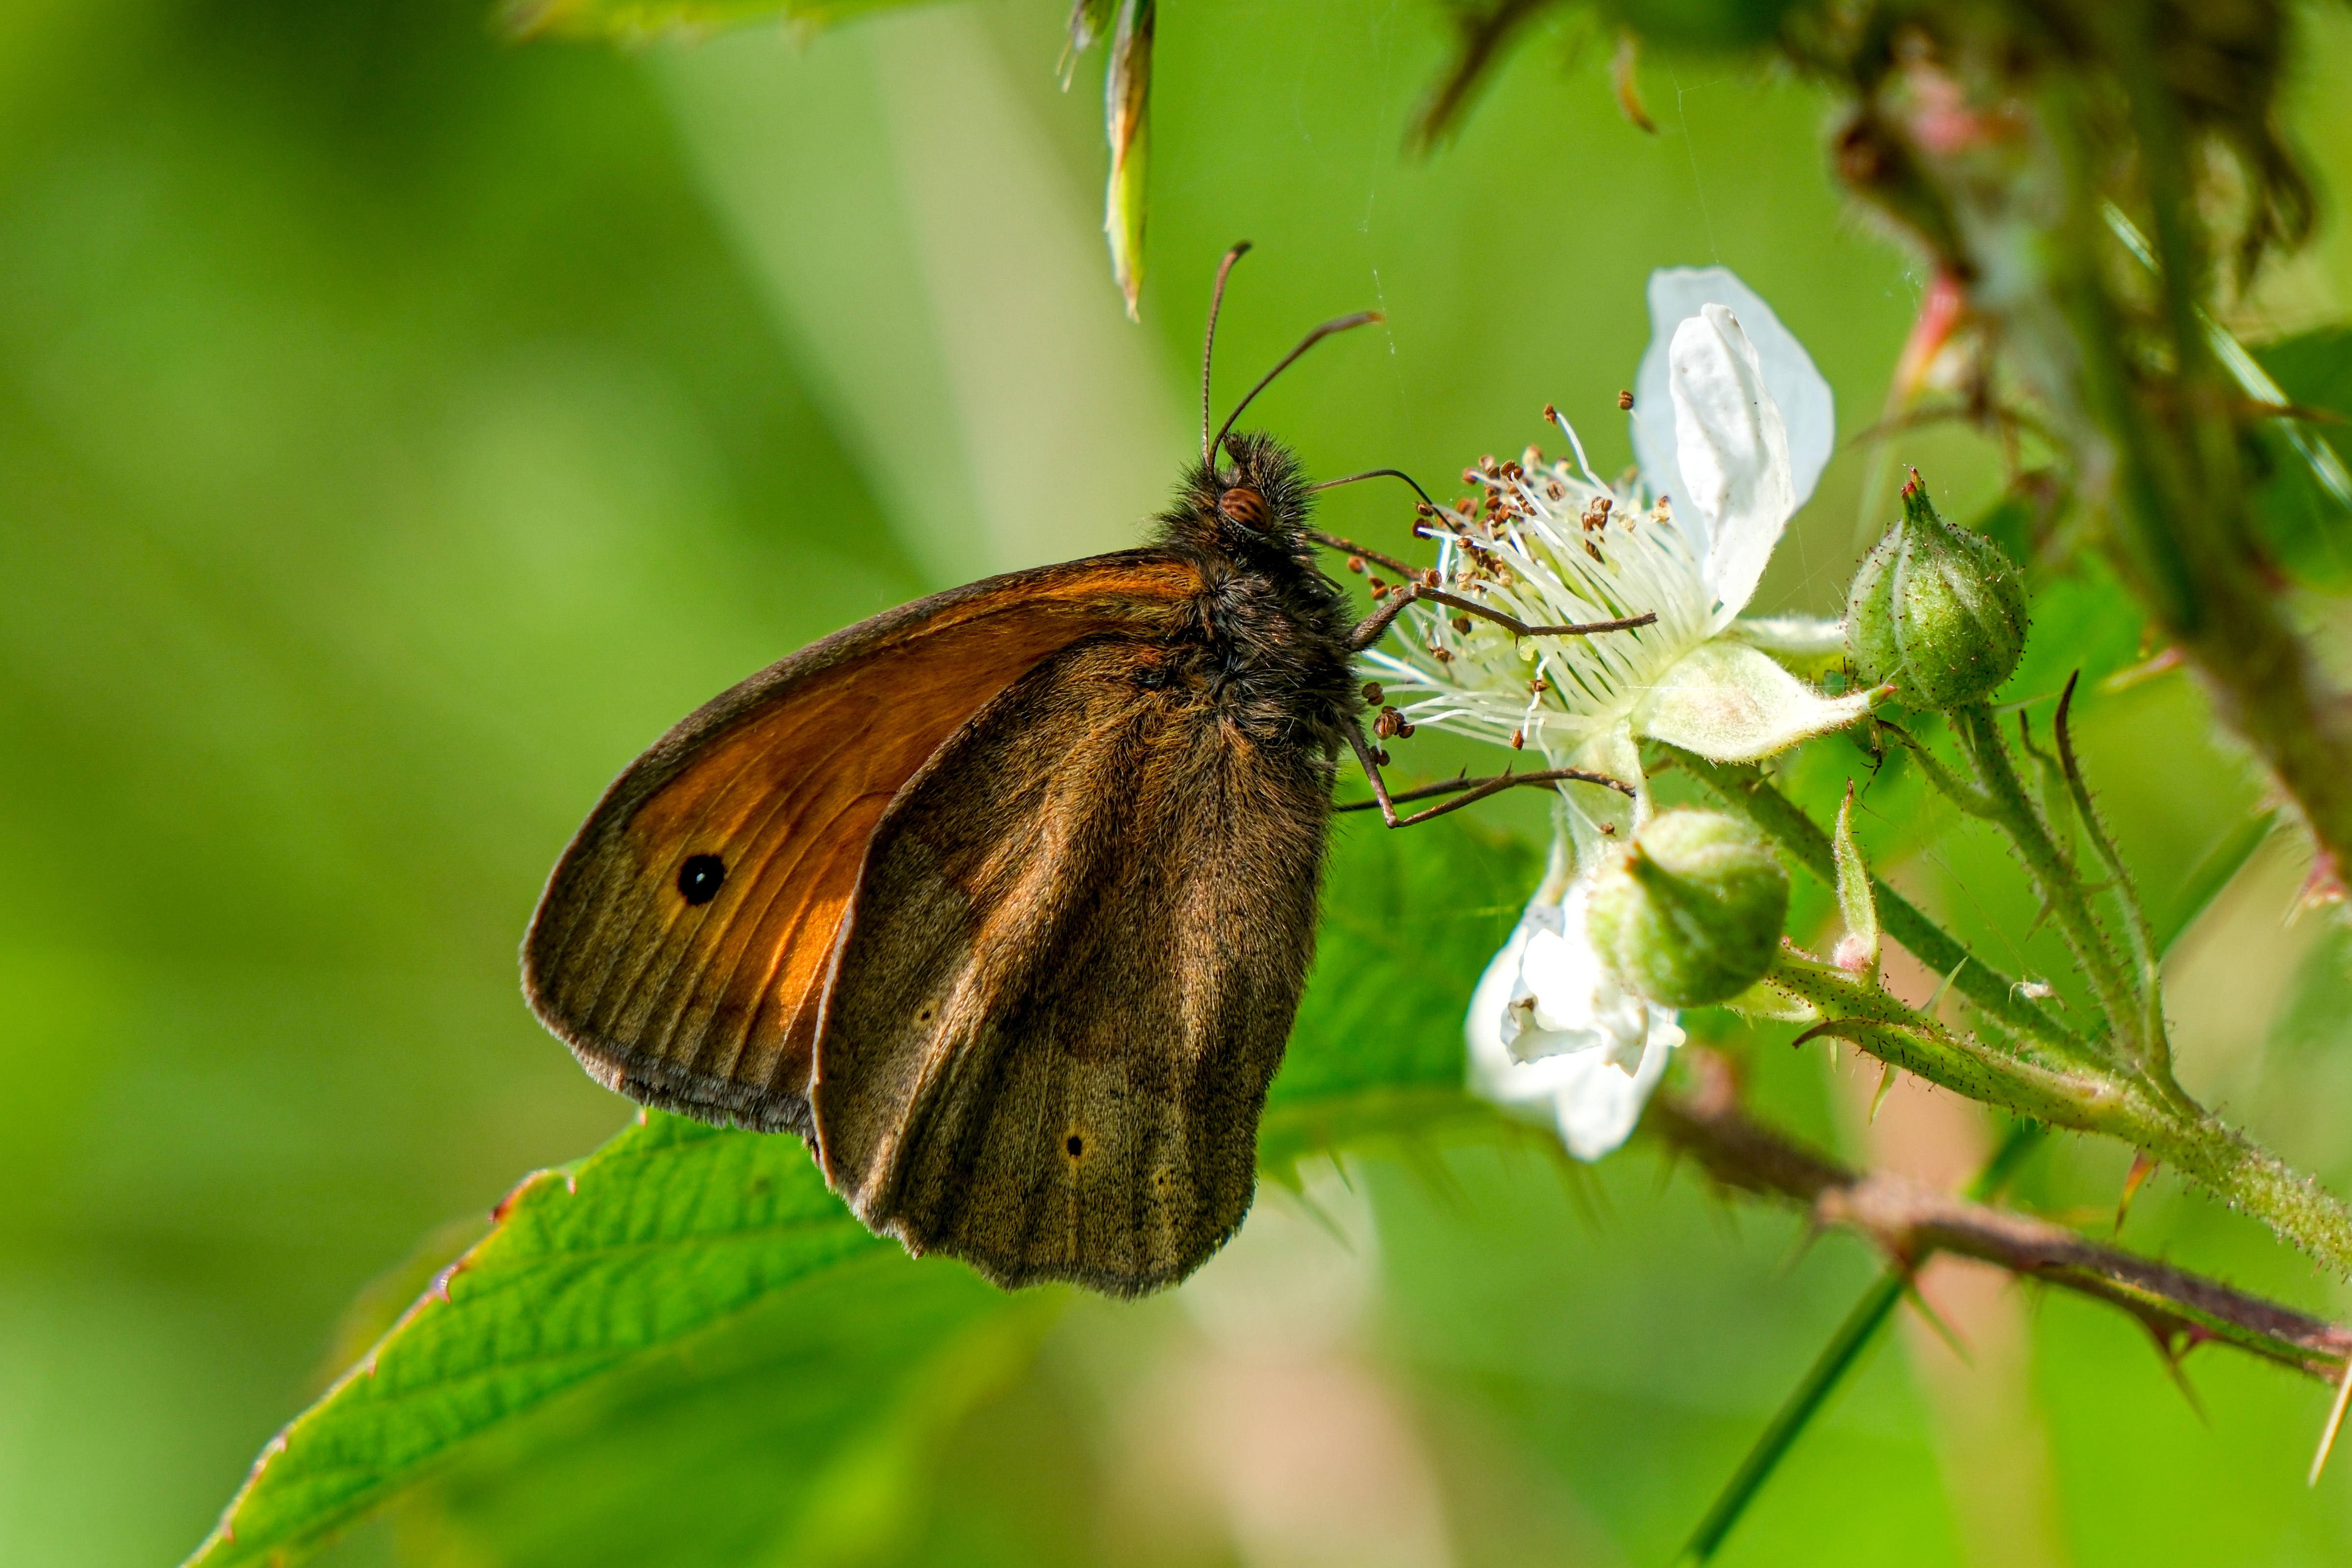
(1996,996)
(2083,1096)
(2184,511)
(2149,979)
(2041,1069)
(2002,801)
(2136,402)
(1908,1223)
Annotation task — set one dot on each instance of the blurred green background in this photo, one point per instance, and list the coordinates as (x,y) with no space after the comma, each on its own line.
(399,428)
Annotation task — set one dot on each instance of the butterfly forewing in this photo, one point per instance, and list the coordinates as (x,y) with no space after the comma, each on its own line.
(684,942)
(1074,958)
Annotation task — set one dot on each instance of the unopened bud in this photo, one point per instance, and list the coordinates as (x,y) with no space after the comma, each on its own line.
(1691,913)
(1936,610)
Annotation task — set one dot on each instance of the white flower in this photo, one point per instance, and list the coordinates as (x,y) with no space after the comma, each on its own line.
(1552,544)
(1594,1095)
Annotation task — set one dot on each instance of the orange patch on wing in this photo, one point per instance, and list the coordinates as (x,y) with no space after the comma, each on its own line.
(783,780)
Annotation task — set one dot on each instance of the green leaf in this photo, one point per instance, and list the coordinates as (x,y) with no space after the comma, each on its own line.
(669,1227)
(654,1283)
(806,1430)
(2301,508)
(1127,126)
(1409,919)
(640,21)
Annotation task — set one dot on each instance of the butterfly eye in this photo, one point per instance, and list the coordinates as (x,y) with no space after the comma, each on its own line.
(1244,505)
(701,878)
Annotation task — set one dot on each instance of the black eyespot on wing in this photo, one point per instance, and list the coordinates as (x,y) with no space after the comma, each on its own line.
(1077,1146)
(701,878)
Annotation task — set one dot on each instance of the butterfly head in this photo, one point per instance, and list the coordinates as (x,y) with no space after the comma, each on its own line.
(1253,501)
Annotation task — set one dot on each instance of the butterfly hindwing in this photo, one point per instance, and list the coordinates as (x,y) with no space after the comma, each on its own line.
(684,942)
(1074,958)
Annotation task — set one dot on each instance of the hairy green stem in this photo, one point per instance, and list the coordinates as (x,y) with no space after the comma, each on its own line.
(2006,805)
(2084,1097)
(2149,978)
(1996,995)
(2049,1072)
(2118,1102)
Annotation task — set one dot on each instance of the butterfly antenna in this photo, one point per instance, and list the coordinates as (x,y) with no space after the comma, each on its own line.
(1209,343)
(1378,473)
(1344,324)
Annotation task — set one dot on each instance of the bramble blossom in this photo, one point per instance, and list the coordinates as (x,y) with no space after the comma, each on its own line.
(1553,544)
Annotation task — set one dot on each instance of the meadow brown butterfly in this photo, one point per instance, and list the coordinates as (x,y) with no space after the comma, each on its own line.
(1004,899)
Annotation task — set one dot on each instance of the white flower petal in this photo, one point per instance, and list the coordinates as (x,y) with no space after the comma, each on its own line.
(1733,451)
(1553,1004)
(1593,1100)
(1593,1095)
(1565,999)
(1730,702)
(1493,1076)
(1597,1103)
(1807,407)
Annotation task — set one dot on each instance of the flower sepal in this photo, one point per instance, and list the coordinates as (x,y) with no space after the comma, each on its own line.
(1730,702)
(1857,950)
(1767,1001)
(1806,644)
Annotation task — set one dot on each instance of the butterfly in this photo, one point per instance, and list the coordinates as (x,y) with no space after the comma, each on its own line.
(1004,899)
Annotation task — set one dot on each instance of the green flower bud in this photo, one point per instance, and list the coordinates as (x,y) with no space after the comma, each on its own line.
(1691,913)
(1936,610)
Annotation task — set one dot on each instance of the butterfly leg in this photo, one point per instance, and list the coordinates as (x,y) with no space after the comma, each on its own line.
(1369,630)
(1464,790)
(1372,772)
